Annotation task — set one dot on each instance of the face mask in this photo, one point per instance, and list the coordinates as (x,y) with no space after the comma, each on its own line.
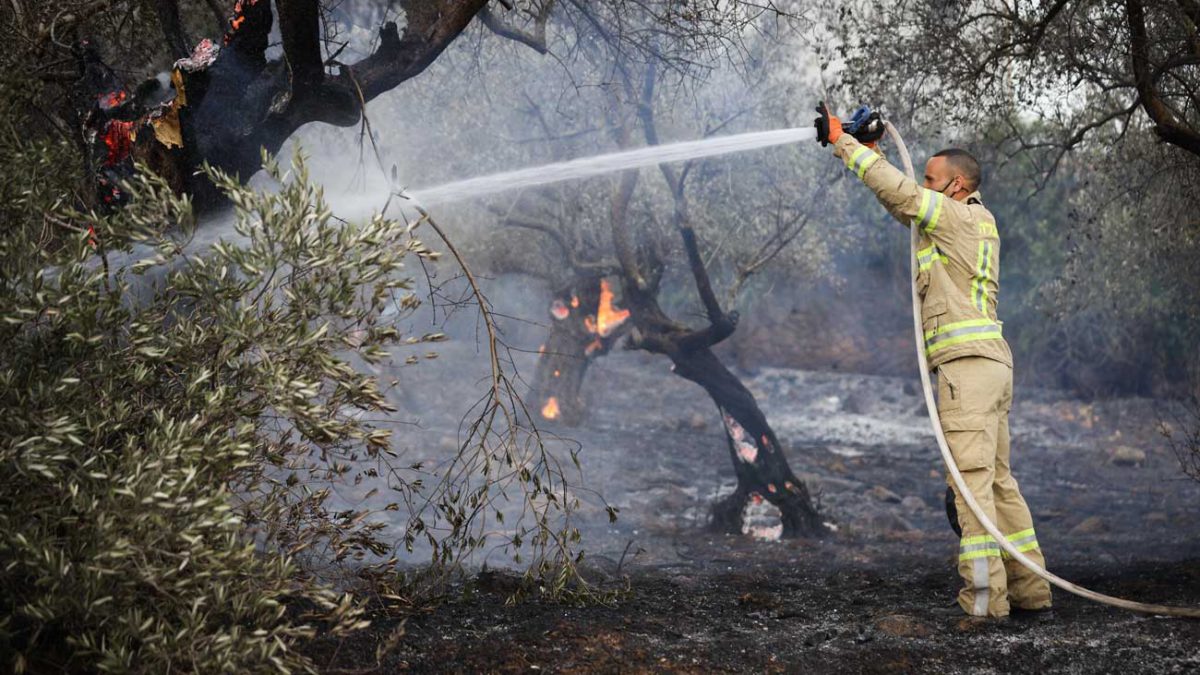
(947,185)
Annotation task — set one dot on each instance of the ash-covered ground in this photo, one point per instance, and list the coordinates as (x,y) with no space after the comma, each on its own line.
(1112,509)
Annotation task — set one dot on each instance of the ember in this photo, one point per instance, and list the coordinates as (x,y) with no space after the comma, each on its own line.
(112,99)
(559,310)
(239,17)
(202,57)
(746,450)
(550,410)
(118,138)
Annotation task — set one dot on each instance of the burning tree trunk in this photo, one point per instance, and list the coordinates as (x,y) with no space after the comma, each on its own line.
(585,324)
(759,463)
(228,102)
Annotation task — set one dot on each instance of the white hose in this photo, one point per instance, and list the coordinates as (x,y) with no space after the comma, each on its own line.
(988,525)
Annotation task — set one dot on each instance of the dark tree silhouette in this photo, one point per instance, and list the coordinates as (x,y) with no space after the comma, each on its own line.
(229,101)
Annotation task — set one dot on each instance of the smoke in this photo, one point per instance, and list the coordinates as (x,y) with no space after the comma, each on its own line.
(834,299)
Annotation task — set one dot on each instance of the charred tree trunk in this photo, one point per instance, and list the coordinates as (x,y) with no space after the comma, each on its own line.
(584,325)
(228,102)
(762,469)
(758,461)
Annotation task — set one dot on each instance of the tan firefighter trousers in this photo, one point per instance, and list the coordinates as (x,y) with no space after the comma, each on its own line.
(974,398)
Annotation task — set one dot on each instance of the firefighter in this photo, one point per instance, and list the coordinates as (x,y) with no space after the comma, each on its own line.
(958,279)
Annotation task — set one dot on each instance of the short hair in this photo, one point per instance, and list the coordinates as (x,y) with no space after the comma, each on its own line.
(964,164)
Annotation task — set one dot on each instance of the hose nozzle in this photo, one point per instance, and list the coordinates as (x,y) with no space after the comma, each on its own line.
(865,124)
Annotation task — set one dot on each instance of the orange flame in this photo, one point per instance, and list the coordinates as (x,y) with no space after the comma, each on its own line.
(574,302)
(550,410)
(607,316)
(118,138)
(238,18)
(112,99)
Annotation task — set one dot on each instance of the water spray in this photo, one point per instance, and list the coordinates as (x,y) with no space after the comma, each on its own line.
(956,476)
(587,167)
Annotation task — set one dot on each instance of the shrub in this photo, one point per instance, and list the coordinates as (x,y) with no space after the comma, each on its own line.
(165,411)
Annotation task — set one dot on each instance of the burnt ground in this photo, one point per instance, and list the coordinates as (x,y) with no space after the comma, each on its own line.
(1112,509)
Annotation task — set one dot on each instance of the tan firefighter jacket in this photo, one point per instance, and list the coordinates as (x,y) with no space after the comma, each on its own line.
(958,258)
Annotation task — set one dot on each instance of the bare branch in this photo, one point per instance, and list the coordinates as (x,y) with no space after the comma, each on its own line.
(535,39)
(556,236)
(1167,125)
(431,26)
(65,22)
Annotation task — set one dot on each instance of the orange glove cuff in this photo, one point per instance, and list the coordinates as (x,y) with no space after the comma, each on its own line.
(835,129)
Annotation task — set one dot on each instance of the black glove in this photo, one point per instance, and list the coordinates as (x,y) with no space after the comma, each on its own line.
(866,125)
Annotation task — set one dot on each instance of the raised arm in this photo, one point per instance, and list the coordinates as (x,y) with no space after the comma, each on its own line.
(907,201)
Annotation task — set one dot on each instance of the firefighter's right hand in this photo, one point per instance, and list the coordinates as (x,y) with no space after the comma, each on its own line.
(866,126)
(829,127)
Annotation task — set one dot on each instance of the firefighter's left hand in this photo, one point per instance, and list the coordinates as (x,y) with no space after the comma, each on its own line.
(829,127)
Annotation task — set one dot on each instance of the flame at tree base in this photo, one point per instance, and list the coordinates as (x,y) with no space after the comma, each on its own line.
(550,410)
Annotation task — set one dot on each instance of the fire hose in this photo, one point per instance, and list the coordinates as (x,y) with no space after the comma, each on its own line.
(956,476)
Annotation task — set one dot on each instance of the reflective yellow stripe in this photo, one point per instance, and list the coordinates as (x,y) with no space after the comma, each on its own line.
(959,339)
(860,160)
(983,266)
(960,332)
(924,207)
(927,256)
(937,212)
(982,546)
(931,209)
(866,163)
(951,327)
(853,158)
(1025,540)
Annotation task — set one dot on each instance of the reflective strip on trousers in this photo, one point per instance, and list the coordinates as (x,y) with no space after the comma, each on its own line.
(860,160)
(927,256)
(930,211)
(983,269)
(959,332)
(983,546)
(978,549)
(979,579)
(1025,540)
